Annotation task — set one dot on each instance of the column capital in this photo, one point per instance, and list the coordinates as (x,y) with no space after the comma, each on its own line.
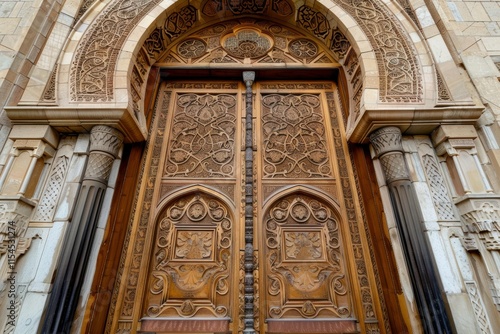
(105,139)
(387,139)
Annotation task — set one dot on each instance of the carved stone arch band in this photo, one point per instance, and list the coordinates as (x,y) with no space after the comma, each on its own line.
(97,58)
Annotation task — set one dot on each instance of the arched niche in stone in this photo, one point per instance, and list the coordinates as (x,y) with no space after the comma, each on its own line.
(383,66)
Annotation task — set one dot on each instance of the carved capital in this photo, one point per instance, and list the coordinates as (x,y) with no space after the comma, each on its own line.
(386,140)
(105,139)
(481,215)
(389,149)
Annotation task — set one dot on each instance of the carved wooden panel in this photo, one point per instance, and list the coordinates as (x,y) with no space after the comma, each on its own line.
(202,136)
(294,143)
(191,260)
(306,275)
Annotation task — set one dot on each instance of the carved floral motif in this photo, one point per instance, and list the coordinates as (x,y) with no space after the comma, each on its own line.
(202,141)
(294,137)
(96,55)
(190,267)
(306,273)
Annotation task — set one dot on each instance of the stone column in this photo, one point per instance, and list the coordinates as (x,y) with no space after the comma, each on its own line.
(389,150)
(105,144)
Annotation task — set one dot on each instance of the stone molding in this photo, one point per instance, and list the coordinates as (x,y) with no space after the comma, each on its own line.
(75,119)
(481,216)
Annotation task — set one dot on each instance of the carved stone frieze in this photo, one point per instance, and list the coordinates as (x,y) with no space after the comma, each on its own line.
(212,8)
(400,76)
(96,55)
(481,216)
(306,274)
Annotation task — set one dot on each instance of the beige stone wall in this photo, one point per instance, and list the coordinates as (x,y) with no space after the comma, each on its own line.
(24,28)
(471,30)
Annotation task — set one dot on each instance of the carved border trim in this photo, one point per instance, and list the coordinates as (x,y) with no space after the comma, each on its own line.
(97,53)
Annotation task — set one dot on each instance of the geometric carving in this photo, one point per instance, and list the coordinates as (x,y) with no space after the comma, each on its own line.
(106,139)
(438,189)
(306,274)
(247,43)
(202,140)
(303,48)
(191,260)
(386,139)
(192,48)
(478,306)
(394,167)
(48,201)
(482,216)
(294,143)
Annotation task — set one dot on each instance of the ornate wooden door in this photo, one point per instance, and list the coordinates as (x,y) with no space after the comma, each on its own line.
(313,272)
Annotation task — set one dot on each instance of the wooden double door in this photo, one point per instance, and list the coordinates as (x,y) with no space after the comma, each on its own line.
(313,270)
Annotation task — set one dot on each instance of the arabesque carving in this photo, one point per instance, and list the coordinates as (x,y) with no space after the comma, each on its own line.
(353,221)
(96,55)
(400,76)
(245,41)
(294,143)
(191,260)
(202,140)
(306,275)
(226,7)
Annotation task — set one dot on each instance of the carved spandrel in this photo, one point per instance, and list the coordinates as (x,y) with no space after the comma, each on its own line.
(191,260)
(203,134)
(306,275)
(294,143)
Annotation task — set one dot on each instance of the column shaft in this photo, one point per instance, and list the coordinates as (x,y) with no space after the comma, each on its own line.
(418,256)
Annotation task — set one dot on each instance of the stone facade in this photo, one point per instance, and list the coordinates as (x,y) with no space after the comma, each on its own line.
(87,84)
